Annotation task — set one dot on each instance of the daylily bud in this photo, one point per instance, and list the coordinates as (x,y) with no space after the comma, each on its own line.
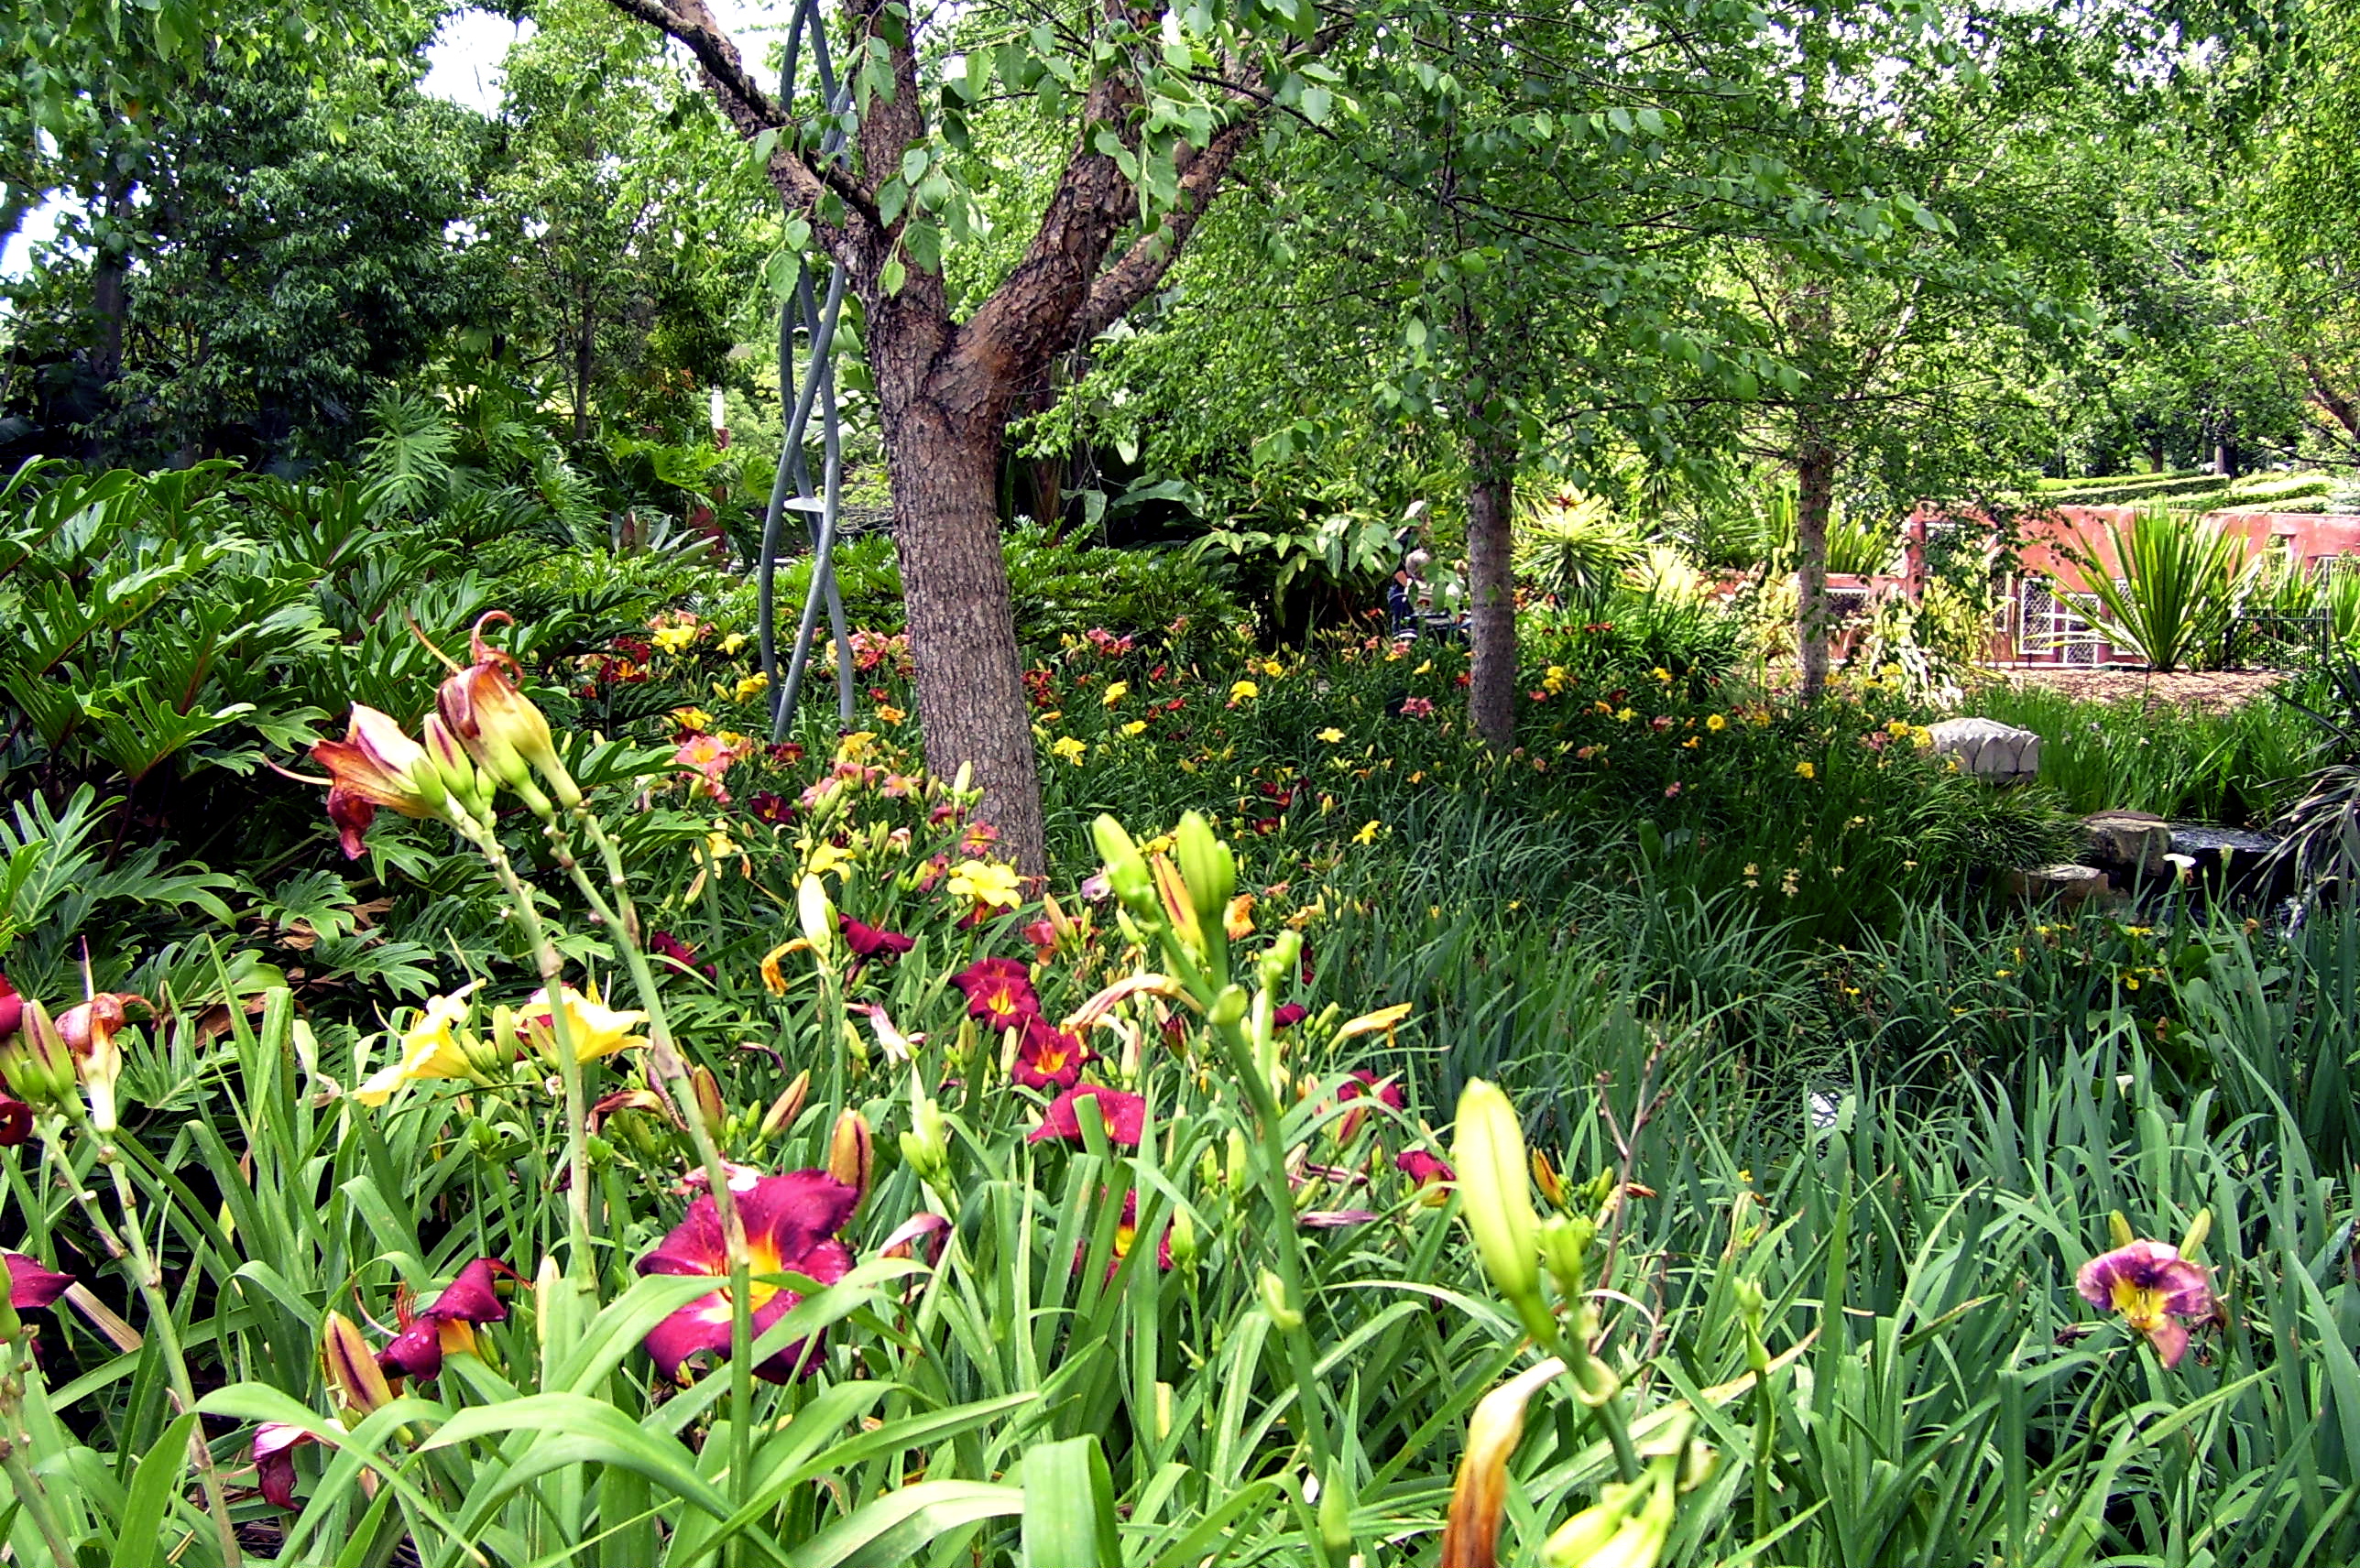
(455,769)
(850,1152)
(1471,1533)
(818,915)
(1228,1007)
(2198,1229)
(1335,1514)
(498,725)
(787,1106)
(1565,1246)
(1279,961)
(1178,909)
(37,1063)
(351,1369)
(1183,1236)
(1546,1177)
(1210,869)
(1496,1198)
(926,1146)
(2121,1228)
(1125,869)
(1577,1542)
(709,1107)
(1236,1171)
(89,1031)
(1275,1302)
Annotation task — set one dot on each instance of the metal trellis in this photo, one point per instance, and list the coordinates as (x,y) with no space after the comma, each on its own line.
(815,317)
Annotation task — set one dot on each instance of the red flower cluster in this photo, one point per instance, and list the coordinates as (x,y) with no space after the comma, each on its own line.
(448,1326)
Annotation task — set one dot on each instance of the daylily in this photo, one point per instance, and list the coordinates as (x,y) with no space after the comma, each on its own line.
(31,1285)
(498,725)
(2154,1288)
(1048,1057)
(710,758)
(790,1224)
(1360,1083)
(430,1047)
(999,992)
(1126,1237)
(872,941)
(275,1443)
(592,1028)
(445,1328)
(989,883)
(679,954)
(1125,1117)
(12,1008)
(1286,1015)
(375,765)
(1431,1175)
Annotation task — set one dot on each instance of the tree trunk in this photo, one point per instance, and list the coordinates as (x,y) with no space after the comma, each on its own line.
(971,704)
(1814,471)
(1492,595)
(585,354)
(2225,454)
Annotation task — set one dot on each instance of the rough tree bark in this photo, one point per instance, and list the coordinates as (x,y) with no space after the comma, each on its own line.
(1492,593)
(946,390)
(1815,475)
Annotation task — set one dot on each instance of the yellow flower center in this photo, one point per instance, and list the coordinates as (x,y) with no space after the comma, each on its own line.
(2141,1306)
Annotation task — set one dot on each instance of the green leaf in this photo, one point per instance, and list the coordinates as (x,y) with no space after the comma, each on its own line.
(152,1488)
(1069,1518)
(891,1529)
(892,275)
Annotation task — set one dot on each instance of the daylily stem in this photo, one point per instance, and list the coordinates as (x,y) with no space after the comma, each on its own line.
(569,1066)
(128,1244)
(36,1499)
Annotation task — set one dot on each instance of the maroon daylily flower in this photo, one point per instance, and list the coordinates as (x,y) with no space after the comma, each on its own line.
(31,1284)
(1048,1057)
(999,991)
(12,1008)
(2153,1287)
(1125,1117)
(1286,1015)
(869,941)
(1334,1219)
(275,1443)
(790,1224)
(678,954)
(446,1327)
(1430,1173)
(15,1119)
(1363,1082)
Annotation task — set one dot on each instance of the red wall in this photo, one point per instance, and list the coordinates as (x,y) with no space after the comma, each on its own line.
(2309,536)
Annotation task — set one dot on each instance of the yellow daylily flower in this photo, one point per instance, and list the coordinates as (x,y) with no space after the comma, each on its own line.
(752,686)
(1115,694)
(1331,734)
(430,1047)
(1069,749)
(828,857)
(1136,726)
(674,639)
(1243,691)
(732,643)
(1367,834)
(986,882)
(593,1029)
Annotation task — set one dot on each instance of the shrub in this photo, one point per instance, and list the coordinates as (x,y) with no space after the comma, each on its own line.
(2182,583)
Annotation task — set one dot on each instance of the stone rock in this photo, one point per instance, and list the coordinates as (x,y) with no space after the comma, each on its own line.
(1992,751)
(2134,843)
(2068,882)
(2237,860)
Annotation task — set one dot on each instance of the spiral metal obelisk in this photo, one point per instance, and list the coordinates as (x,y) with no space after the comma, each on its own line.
(811,315)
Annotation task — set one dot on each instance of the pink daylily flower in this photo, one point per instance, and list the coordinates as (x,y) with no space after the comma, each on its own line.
(790,1224)
(2153,1288)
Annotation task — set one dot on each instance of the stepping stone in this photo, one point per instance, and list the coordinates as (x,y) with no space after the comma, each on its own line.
(2137,843)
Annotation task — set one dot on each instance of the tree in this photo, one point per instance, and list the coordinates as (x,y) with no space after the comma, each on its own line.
(1152,106)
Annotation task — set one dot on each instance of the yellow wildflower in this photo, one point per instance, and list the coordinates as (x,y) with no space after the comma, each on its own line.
(1243,691)
(1072,750)
(889,715)
(752,686)
(1624,715)
(1422,669)
(855,746)
(732,643)
(674,639)
(986,882)
(828,857)
(1806,771)
(1662,674)
(1136,726)
(1558,678)
(694,720)
(1331,734)
(1367,834)
(1716,724)
(1273,669)
(593,1029)
(1115,694)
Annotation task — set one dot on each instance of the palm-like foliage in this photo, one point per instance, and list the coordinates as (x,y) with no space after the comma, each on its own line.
(2181,583)
(1576,547)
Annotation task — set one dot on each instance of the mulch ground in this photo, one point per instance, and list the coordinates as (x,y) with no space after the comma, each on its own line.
(2218,690)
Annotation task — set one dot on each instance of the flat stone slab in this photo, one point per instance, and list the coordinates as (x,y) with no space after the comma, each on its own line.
(2068,882)
(2137,844)
(1990,750)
